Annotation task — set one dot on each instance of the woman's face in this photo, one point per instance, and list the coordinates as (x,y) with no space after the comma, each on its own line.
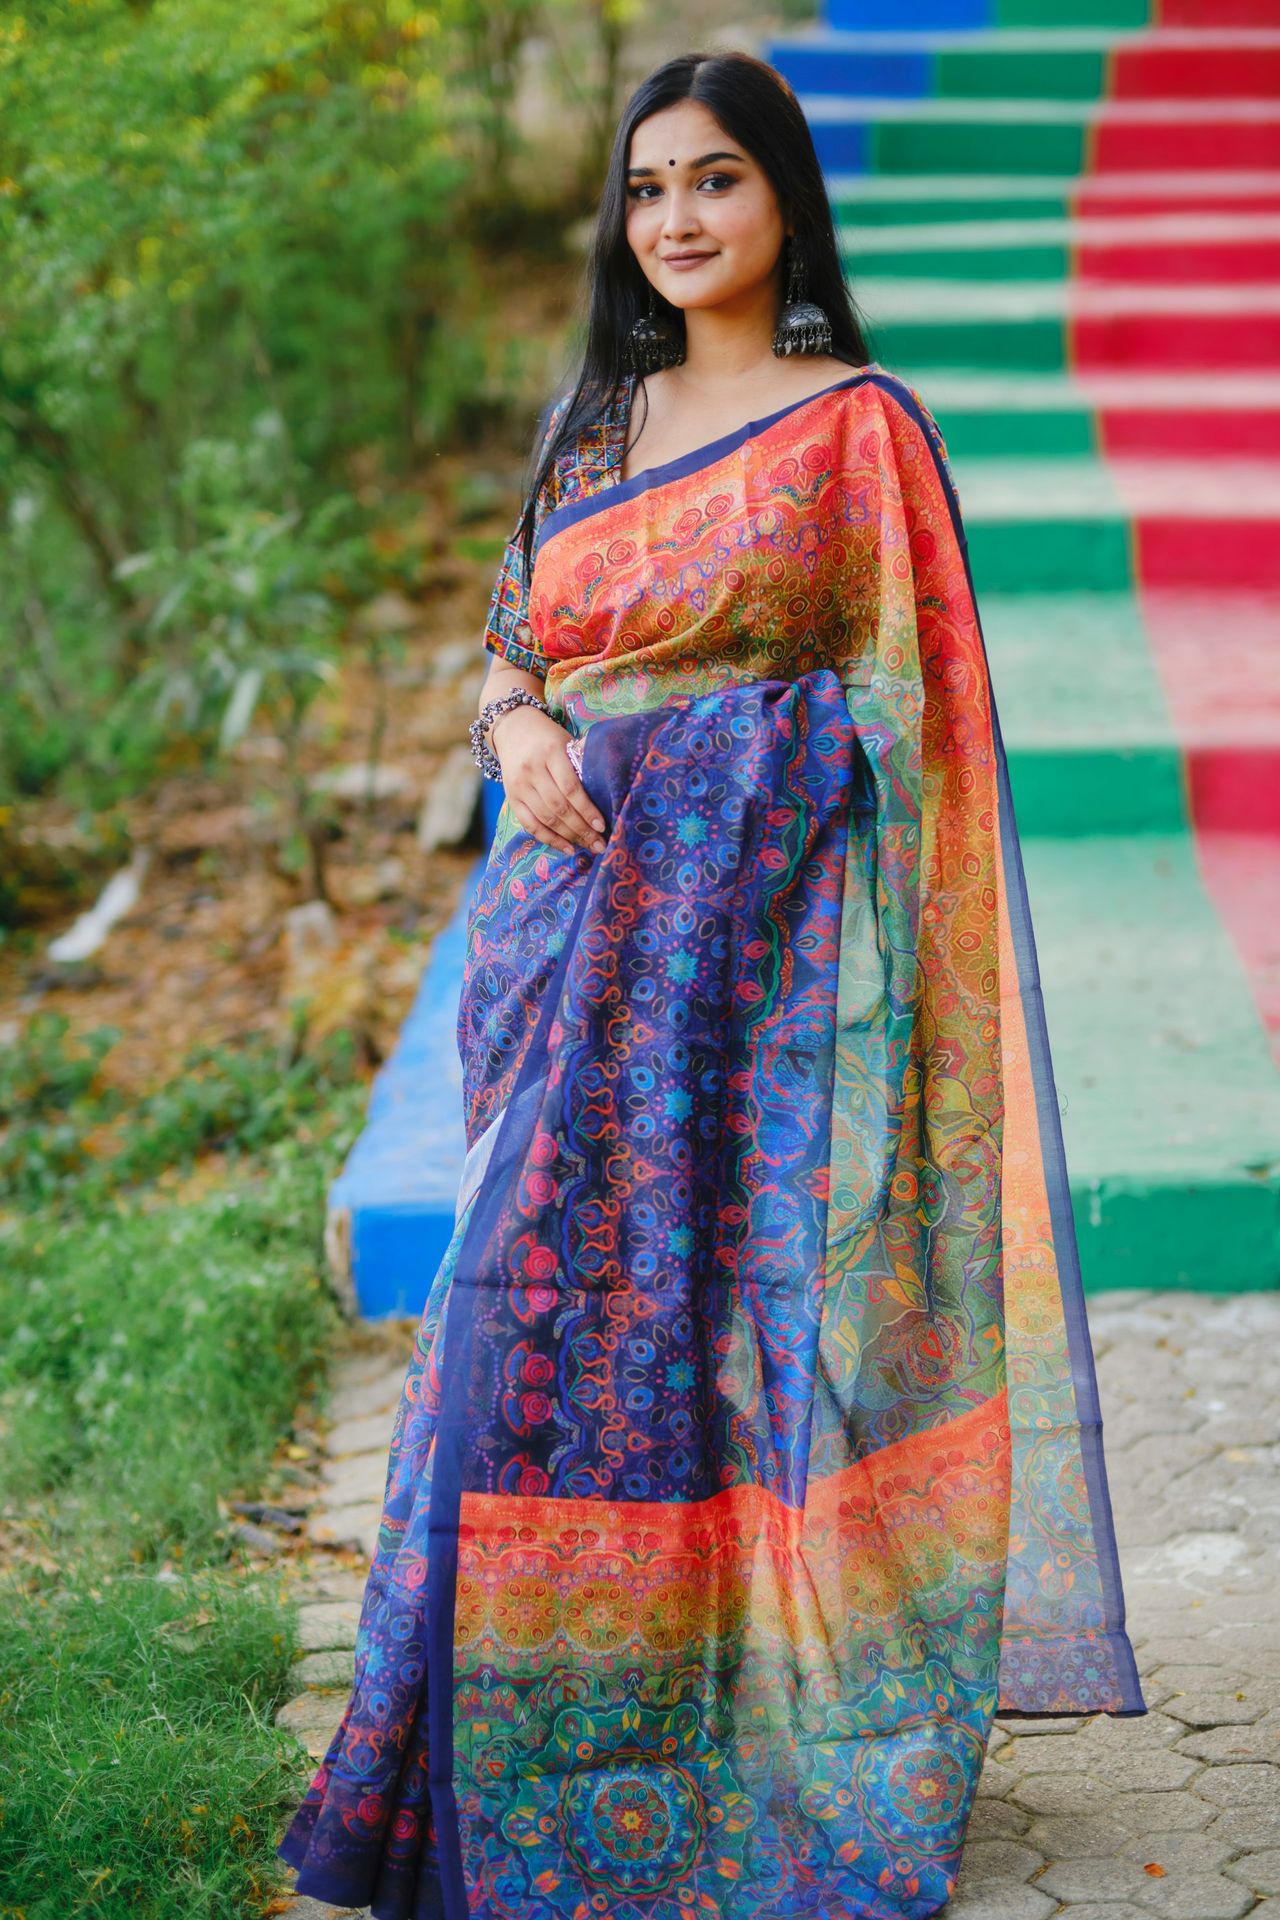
(707,228)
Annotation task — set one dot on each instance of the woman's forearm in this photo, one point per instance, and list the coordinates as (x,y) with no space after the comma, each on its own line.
(502,678)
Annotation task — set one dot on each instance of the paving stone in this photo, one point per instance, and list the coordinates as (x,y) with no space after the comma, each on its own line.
(992,1819)
(1096,1911)
(314,1717)
(1160,1812)
(303,1908)
(1213,1710)
(1064,1793)
(1041,1753)
(1022,1725)
(332,1623)
(1126,1734)
(1261,1870)
(1202,1675)
(1197,1896)
(1194,1852)
(1102,1881)
(371,1434)
(1247,1829)
(1144,1769)
(995,1780)
(1010,1903)
(356,1400)
(319,1579)
(1187,1651)
(335,1667)
(995,1864)
(361,1477)
(1263,1637)
(1242,1789)
(315,1708)
(356,1526)
(1227,1746)
(1066,1837)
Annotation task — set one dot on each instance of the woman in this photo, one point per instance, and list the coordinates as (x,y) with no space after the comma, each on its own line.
(749,1460)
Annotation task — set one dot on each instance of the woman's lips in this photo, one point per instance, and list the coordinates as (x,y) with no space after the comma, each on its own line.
(683,262)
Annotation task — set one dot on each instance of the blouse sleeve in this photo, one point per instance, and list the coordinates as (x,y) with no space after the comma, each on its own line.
(509,602)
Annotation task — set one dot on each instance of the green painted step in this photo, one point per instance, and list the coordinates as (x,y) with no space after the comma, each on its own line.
(1013,262)
(1171,1104)
(992,71)
(1010,327)
(1009,343)
(1086,726)
(1043,526)
(916,208)
(914,146)
(1035,433)
(1075,13)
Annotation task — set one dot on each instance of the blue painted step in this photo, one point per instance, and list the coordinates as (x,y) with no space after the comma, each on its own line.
(392,1208)
(918,16)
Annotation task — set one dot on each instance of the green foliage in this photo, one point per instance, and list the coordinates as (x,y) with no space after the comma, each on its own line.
(66,1137)
(142,1775)
(226,233)
(153,1354)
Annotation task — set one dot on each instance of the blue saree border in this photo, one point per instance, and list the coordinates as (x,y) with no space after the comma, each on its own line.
(444,1507)
(1049,1119)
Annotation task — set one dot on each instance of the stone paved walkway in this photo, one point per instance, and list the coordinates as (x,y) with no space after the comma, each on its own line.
(1175,1815)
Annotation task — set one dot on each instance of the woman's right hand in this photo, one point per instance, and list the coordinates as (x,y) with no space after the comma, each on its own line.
(542,784)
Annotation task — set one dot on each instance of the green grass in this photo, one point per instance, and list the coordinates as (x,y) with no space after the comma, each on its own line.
(142,1774)
(66,1135)
(154,1348)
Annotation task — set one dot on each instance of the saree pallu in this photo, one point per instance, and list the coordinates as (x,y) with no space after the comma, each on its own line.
(749,1459)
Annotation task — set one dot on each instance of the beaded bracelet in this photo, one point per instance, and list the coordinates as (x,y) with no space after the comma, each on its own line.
(481,752)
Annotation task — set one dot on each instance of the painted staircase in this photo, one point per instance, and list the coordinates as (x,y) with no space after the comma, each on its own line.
(1062,221)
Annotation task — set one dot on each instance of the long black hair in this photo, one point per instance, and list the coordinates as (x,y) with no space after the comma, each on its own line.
(757,108)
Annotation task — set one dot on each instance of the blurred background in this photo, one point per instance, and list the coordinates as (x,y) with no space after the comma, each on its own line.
(282,292)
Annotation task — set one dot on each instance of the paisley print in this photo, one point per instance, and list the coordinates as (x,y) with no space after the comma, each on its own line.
(748,1460)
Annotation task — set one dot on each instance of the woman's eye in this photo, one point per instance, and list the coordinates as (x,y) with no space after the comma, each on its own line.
(644,189)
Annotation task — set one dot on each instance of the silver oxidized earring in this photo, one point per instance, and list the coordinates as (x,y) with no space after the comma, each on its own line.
(802,327)
(651,344)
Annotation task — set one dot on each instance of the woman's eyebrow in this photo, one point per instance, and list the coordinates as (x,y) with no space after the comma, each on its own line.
(703,160)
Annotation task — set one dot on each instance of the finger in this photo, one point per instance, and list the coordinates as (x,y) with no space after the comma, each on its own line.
(540,821)
(567,779)
(555,808)
(529,820)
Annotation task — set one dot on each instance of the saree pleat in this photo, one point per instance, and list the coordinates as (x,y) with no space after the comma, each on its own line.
(749,1459)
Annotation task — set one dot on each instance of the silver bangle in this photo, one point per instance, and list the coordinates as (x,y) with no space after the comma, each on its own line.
(481,752)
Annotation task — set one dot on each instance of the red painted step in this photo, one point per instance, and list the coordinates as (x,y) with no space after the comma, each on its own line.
(1181,263)
(1175,72)
(1217,13)
(1142,146)
(1203,433)
(1240,556)
(1175,342)
(1241,873)
(1100,200)
(1219,664)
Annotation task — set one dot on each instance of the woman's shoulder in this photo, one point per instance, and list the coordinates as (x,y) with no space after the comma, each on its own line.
(903,405)
(584,458)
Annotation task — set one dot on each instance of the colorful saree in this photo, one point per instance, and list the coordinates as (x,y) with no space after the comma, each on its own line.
(749,1460)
